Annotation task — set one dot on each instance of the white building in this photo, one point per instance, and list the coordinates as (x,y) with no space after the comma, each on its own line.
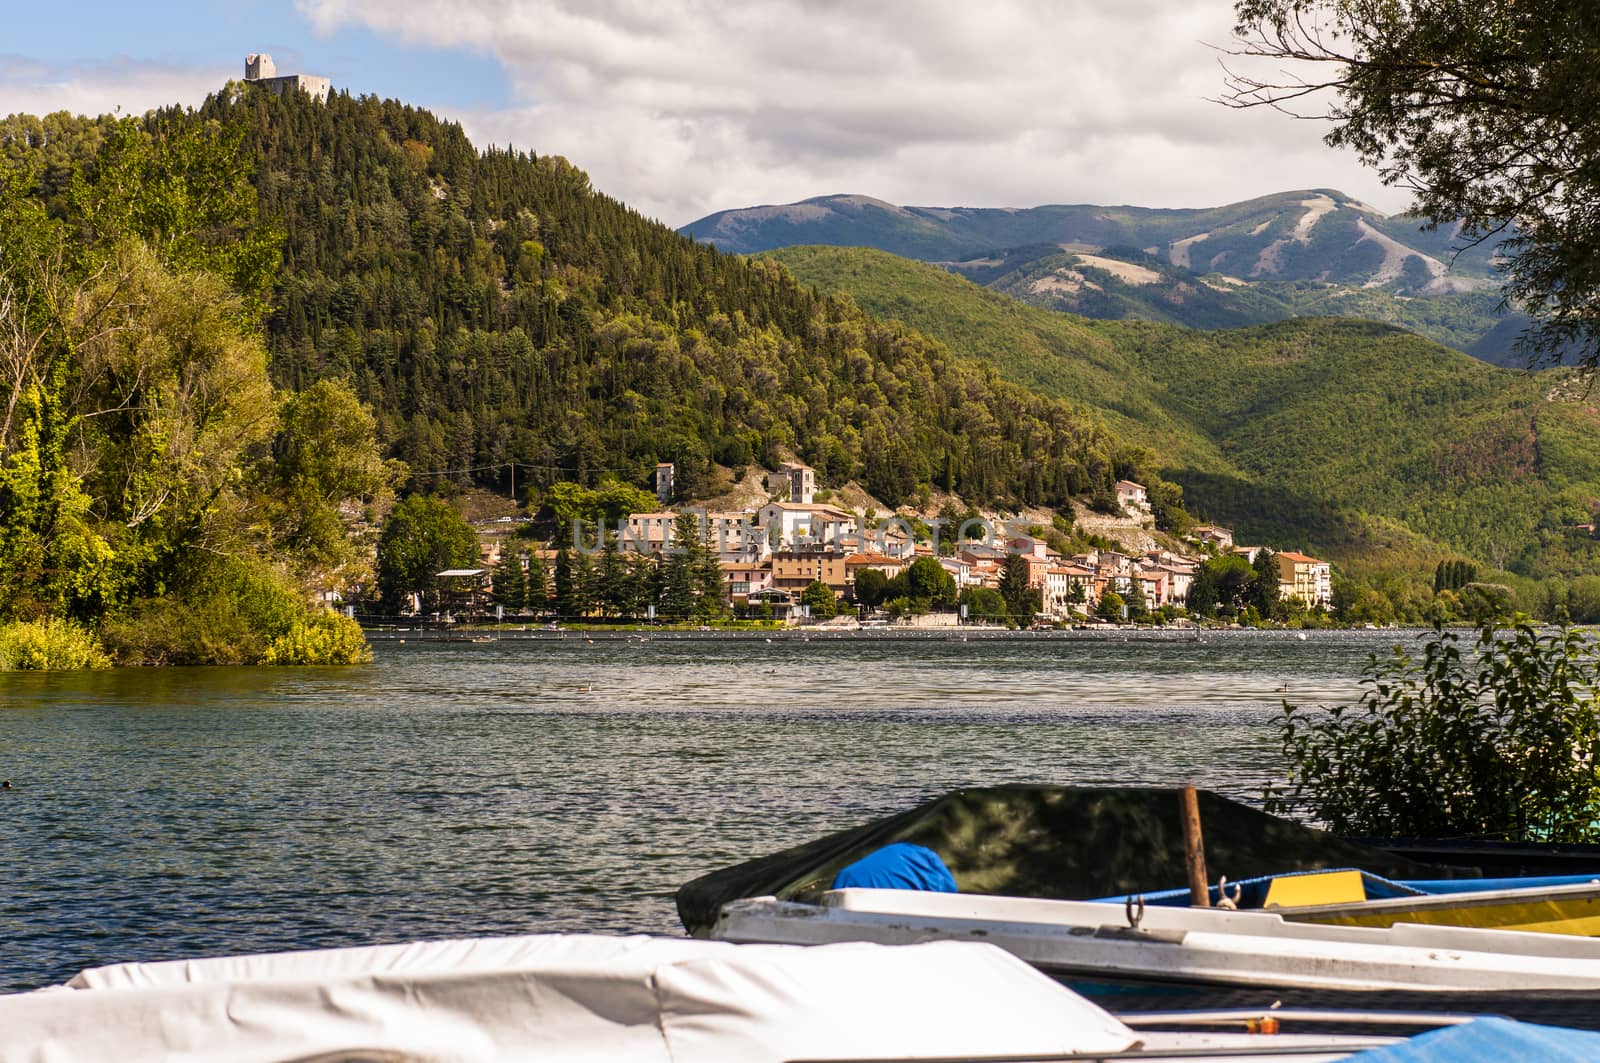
(260,70)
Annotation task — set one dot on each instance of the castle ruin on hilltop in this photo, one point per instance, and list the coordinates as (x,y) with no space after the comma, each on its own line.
(259,70)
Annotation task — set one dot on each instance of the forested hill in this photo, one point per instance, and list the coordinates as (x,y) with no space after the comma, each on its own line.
(493,308)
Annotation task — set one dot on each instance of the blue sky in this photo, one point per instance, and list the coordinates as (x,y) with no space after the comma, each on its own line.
(683,107)
(206,36)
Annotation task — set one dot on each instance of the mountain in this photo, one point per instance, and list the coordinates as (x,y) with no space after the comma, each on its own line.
(1295,254)
(1317,235)
(1347,437)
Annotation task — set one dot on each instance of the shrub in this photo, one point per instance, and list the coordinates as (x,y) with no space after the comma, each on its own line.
(233,612)
(1503,742)
(49,645)
(326,638)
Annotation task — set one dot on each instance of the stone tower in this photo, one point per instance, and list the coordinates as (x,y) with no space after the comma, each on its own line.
(259,67)
(664,473)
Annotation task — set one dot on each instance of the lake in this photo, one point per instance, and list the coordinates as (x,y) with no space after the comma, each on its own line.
(559,783)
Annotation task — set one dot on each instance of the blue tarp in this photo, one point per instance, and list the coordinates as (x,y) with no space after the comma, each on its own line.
(1490,1041)
(901,866)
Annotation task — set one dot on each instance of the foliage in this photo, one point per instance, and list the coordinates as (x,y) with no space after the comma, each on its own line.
(927,580)
(1502,742)
(1488,112)
(1110,607)
(870,587)
(422,537)
(138,415)
(224,611)
(49,645)
(984,603)
(610,502)
(819,596)
(1223,583)
(323,638)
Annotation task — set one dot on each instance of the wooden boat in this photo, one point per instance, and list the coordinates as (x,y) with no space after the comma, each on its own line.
(1539,977)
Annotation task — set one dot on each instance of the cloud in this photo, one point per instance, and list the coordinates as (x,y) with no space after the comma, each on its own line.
(133,87)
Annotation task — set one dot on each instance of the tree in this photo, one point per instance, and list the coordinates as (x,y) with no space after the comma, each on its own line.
(1488,110)
(984,603)
(325,463)
(566,594)
(538,583)
(1110,607)
(819,596)
(1262,591)
(422,537)
(1221,583)
(930,582)
(510,582)
(870,585)
(1014,581)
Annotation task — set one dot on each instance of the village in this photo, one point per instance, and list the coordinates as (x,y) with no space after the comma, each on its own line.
(769,556)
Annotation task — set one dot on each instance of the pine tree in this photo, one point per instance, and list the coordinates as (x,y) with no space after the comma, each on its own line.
(510,582)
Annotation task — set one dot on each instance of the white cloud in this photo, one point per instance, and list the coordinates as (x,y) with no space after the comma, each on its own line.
(125,85)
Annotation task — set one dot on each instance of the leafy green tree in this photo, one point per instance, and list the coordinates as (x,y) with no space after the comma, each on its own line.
(1110,607)
(1583,600)
(1488,112)
(819,596)
(326,467)
(1166,506)
(929,581)
(422,537)
(1221,584)
(1497,743)
(869,587)
(984,603)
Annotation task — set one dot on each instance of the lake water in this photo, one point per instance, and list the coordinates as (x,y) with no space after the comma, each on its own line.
(519,786)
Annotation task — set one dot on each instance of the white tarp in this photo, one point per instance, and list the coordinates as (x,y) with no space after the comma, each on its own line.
(562,997)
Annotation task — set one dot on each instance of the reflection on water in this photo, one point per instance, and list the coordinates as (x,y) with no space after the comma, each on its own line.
(519,786)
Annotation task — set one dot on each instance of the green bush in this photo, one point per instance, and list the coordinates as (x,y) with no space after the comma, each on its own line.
(1501,742)
(233,612)
(327,638)
(49,645)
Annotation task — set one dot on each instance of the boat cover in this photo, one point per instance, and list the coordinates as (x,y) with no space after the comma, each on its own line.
(1058,842)
(901,866)
(1490,1040)
(562,997)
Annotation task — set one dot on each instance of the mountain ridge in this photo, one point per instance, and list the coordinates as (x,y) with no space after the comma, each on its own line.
(1305,252)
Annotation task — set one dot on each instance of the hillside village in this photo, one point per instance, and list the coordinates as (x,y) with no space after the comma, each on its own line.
(770,555)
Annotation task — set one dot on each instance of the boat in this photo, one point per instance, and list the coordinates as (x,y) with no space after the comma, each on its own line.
(593,997)
(1215,956)
(1084,843)
(1555,904)
(1055,842)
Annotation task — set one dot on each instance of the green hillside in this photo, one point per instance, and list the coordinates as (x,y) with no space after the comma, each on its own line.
(495,309)
(1348,437)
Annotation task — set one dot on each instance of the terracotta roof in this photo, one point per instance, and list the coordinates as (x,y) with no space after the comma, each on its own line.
(1299,558)
(871,559)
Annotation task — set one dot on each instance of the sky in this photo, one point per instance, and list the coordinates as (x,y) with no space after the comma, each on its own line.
(684,107)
